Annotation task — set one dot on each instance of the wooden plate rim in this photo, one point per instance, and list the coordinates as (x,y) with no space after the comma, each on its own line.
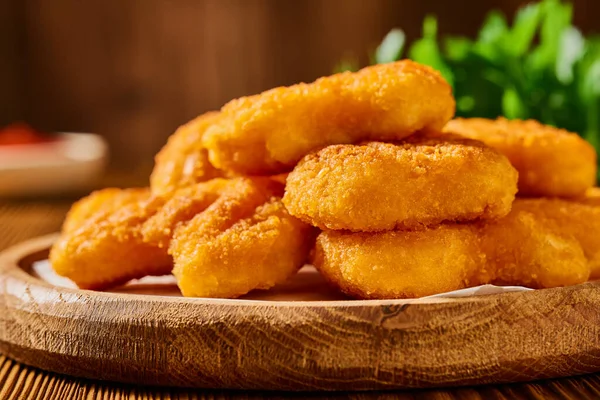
(386,344)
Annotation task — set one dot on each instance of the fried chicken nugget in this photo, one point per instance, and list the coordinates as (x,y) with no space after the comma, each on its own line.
(397,264)
(527,248)
(551,162)
(268,133)
(183,161)
(579,219)
(422,181)
(524,248)
(101,201)
(183,205)
(230,237)
(591,197)
(101,244)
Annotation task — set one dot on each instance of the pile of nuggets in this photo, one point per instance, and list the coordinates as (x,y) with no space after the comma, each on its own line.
(366,176)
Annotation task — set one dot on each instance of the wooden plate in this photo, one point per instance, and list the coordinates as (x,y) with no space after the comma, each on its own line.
(293,345)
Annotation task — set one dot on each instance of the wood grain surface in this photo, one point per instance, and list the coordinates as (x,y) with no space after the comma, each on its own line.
(19,382)
(20,221)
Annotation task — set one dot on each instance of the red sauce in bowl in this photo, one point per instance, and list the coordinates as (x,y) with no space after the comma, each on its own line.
(20,133)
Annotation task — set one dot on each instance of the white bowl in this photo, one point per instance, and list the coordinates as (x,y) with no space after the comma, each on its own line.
(69,164)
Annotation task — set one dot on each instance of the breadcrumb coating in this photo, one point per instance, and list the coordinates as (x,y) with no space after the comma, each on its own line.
(532,246)
(102,243)
(398,264)
(551,162)
(579,219)
(227,237)
(244,240)
(270,132)
(183,161)
(425,180)
(591,197)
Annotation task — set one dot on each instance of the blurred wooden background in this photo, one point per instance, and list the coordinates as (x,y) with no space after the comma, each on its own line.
(132,70)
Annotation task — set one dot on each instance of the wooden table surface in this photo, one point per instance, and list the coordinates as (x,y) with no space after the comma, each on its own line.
(23,220)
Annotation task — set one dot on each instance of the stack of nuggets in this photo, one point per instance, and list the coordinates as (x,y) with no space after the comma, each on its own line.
(222,231)
(406,207)
(220,238)
(406,238)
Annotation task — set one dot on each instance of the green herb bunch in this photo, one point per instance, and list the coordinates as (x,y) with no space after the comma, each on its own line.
(541,67)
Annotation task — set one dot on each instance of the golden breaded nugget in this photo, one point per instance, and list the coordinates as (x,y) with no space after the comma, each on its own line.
(227,237)
(103,201)
(101,244)
(581,220)
(551,162)
(525,248)
(591,197)
(185,203)
(398,264)
(270,132)
(183,161)
(224,254)
(422,181)
(244,240)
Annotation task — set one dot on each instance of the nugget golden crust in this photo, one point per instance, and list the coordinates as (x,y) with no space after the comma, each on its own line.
(244,240)
(525,248)
(397,264)
(551,162)
(591,197)
(581,220)
(103,201)
(101,244)
(226,236)
(268,133)
(422,181)
(182,205)
(183,161)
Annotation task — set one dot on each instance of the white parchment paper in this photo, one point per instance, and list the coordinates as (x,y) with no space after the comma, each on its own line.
(307,285)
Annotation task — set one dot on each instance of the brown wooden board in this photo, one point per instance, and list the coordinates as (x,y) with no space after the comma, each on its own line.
(294,345)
